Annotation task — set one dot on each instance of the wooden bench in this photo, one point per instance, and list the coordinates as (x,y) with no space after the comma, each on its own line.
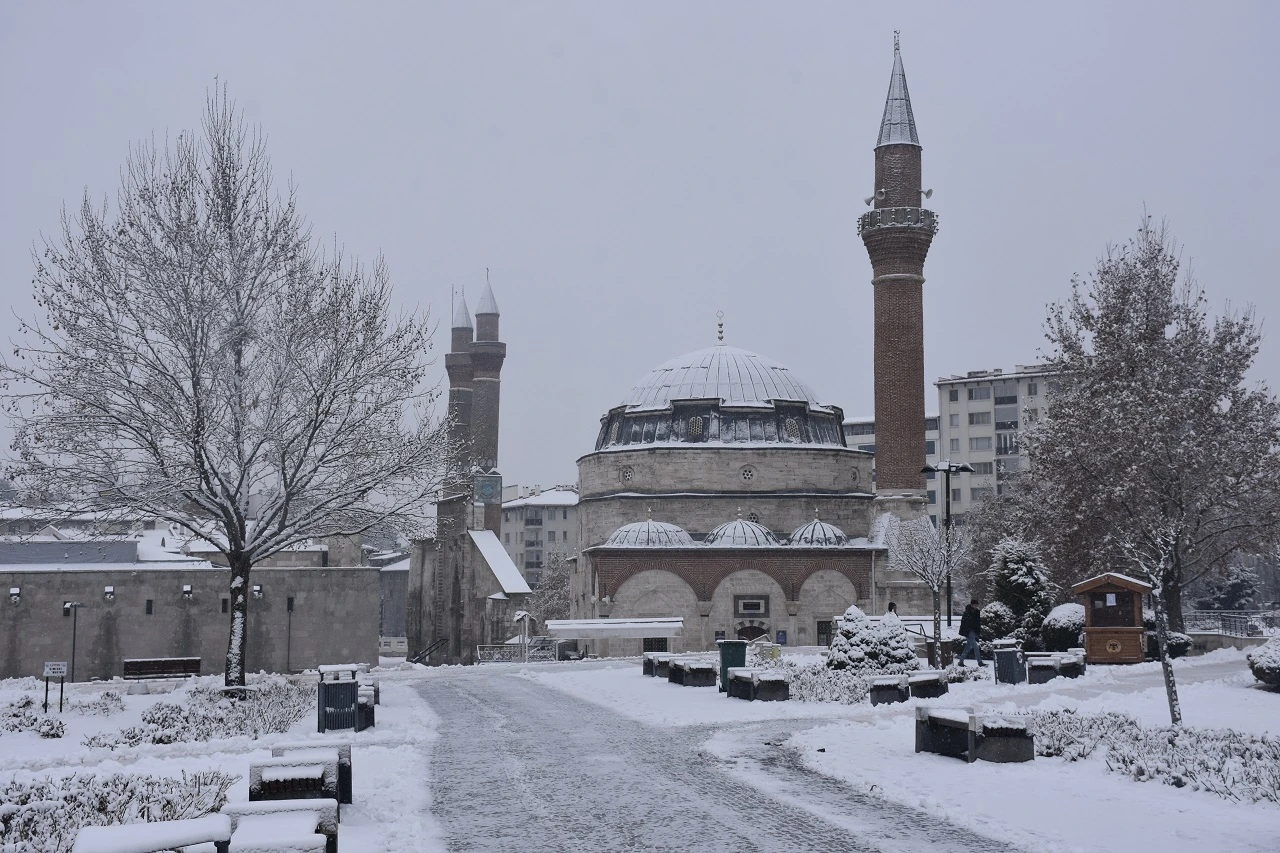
(136,668)
(764,685)
(323,815)
(960,733)
(887,689)
(692,673)
(289,832)
(927,683)
(344,760)
(1046,666)
(155,837)
(300,775)
(649,665)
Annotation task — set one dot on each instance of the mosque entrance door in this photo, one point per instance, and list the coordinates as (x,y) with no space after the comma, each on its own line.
(752,632)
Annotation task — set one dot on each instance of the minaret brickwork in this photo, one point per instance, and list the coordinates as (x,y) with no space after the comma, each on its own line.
(487,356)
(897,234)
(457,363)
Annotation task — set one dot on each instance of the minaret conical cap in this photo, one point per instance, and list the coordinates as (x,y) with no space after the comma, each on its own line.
(487,304)
(461,316)
(898,127)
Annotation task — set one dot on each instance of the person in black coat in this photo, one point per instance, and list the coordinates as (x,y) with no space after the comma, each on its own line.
(971,630)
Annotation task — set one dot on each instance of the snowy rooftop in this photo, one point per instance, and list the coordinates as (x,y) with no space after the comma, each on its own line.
(499,561)
(549,497)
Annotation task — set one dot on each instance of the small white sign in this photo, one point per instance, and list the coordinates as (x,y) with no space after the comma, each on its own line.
(55,669)
(1111,599)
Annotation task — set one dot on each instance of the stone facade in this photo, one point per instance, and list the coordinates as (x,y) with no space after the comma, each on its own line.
(334,618)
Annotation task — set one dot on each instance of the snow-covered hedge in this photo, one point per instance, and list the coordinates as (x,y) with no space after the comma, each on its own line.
(1264,661)
(864,648)
(998,621)
(273,705)
(1062,627)
(44,815)
(1179,644)
(1234,765)
(107,703)
(818,683)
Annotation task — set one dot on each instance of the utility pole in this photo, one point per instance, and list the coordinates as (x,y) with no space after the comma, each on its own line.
(947,468)
(74,607)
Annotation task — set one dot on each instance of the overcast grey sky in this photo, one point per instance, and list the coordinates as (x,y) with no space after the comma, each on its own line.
(626,170)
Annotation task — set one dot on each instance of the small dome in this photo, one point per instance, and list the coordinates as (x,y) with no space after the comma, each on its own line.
(818,534)
(649,534)
(740,534)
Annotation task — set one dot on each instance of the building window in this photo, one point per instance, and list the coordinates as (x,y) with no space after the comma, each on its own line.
(930,447)
(150,607)
(979,418)
(628,474)
(747,473)
(824,632)
(953,395)
(564,515)
(981,493)
(982,467)
(931,424)
(747,606)
(955,495)
(551,536)
(226,605)
(953,420)
(868,428)
(613,433)
(869,448)
(506,537)
(506,516)
(982,442)
(954,445)
(655,644)
(695,427)
(753,517)
(1033,388)
(1032,415)
(980,393)
(1006,443)
(930,475)
(933,496)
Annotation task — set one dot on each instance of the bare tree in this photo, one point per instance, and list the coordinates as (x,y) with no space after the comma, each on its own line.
(200,361)
(551,595)
(930,554)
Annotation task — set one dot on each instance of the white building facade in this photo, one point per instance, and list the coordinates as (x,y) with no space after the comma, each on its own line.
(537,522)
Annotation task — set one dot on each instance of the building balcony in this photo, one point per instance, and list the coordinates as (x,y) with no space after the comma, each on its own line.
(534,543)
(533,522)
(899,217)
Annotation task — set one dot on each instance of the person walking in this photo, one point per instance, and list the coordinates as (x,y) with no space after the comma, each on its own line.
(893,608)
(971,630)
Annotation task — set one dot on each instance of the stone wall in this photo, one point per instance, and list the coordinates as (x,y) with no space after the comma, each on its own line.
(335,618)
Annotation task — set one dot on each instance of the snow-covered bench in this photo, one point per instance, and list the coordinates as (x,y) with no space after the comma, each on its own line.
(296,775)
(138,668)
(765,685)
(1046,666)
(154,837)
(692,673)
(344,760)
(289,832)
(887,689)
(322,817)
(960,733)
(927,683)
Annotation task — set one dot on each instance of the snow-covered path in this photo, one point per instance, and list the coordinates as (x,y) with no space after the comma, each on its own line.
(522,767)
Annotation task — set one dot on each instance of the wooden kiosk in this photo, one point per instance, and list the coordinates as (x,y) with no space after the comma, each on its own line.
(1113,630)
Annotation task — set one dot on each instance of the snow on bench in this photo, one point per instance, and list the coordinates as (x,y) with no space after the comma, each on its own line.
(343,748)
(286,832)
(951,716)
(926,675)
(323,813)
(153,837)
(292,771)
(304,773)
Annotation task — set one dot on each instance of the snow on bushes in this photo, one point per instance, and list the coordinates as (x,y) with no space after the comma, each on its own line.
(1234,765)
(44,815)
(869,649)
(272,706)
(51,728)
(998,621)
(854,633)
(109,702)
(1264,661)
(893,652)
(1062,627)
(1179,644)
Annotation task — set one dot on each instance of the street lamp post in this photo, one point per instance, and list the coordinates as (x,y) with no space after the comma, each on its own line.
(74,607)
(947,468)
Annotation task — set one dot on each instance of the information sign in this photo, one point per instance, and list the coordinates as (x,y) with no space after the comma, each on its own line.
(55,669)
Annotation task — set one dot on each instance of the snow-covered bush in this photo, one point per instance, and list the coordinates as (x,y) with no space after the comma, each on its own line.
(44,815)
(272,705)
(1062,627)
(1020,580)
(957,673)
(108,702)
(892,652)
(1179,644)
(854,634)
(1264,661)
(818,683)
(19,715)
(51,728)
(1074,736)
(998,621)
(864,648)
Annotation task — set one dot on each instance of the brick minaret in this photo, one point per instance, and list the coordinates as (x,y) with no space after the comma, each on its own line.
(487,355)
(457,362)
(897,234)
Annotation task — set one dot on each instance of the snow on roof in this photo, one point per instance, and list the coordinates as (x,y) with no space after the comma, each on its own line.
(499,561)
(461,317)
(149,566)
(549,497)
(585,629)
(1114,578)
(487,303)
(401,566)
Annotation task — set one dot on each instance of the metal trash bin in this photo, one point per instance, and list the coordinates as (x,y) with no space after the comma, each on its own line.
(1011,666)
(732,653)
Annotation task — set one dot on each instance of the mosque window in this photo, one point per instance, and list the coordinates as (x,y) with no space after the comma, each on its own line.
(748,473)
(627,474)
(695,427)
(757,429)
(613,433)
(753,517)
(793,429)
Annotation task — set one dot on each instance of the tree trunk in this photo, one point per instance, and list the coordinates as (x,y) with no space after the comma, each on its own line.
(935,659)
(238,639)
(1162,642)
(1173,603)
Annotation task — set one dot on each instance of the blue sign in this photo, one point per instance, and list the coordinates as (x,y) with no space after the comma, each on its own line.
(782,638)
(719,636)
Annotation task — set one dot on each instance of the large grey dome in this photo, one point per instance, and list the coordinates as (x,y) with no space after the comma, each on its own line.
(740,534)
(649,534)
(728,375)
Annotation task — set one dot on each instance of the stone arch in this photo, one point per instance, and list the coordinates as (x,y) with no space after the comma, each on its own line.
(752,632)
(723,616)
(825,595)
(654,593)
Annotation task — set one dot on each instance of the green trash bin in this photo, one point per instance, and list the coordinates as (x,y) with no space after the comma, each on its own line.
(732,653)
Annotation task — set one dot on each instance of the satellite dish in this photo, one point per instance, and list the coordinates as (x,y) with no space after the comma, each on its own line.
(927,193)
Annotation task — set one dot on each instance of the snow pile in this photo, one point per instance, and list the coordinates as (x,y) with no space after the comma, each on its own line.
(44,815)
(1264,661)
(272,705)
(1062,627)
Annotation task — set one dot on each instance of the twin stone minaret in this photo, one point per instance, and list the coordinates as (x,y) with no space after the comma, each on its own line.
(474,365)
(897,233)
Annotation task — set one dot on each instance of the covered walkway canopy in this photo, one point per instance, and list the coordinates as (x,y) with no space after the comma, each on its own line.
(608,629)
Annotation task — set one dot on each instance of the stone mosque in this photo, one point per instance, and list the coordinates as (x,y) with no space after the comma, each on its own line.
(721,490)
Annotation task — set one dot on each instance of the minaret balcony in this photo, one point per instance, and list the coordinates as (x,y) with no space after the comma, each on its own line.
(915,218)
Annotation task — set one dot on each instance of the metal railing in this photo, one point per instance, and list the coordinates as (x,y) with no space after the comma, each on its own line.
(899,217)
(1233,623)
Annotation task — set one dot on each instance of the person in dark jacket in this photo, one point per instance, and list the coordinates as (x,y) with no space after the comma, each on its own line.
(971,630)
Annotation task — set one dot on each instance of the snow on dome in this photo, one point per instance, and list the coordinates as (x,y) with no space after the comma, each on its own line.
(818,534)
(740,533)
(649,534)
(732,376)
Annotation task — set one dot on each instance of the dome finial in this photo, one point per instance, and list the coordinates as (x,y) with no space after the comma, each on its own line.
(739,512)
(895,40)
(815,513)
(720,326)
(648,511)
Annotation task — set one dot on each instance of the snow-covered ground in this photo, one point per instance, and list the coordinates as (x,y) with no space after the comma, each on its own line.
(390,763)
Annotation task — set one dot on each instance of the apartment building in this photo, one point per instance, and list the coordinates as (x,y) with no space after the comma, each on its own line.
(980,415)
(537,522)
